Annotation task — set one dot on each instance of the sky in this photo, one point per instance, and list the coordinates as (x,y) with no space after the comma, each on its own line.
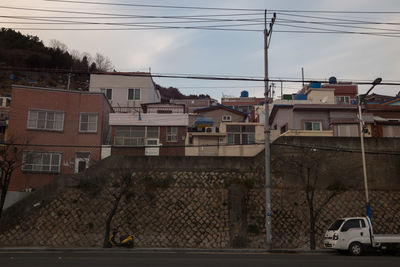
(348,57)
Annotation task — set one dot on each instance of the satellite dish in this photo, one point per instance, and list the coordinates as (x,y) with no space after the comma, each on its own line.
(324,100)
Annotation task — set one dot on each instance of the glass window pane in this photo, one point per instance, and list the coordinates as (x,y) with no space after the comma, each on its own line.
(152,132)
(137,94)
(55,159)
(308,126)
(237,139)
(130,94)
(84,117)
(316,126)
(233,128)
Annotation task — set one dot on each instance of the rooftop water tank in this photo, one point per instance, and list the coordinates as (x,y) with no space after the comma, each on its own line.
(315,85)
(332,80)
(300,97)
(244,94)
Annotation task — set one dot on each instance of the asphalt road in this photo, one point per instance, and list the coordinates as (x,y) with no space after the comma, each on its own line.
(190,259)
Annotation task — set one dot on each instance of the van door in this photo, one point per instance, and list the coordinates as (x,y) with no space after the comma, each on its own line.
(351,230)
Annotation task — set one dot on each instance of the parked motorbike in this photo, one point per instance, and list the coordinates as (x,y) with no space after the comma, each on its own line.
(126,241)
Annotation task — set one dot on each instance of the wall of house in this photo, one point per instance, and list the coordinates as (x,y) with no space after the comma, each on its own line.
(167,148)
(120,85)
(299,117)
(284,116)
(217,116)
(68,142)
(321,96)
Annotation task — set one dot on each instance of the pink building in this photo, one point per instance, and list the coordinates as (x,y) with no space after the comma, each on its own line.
(59,132)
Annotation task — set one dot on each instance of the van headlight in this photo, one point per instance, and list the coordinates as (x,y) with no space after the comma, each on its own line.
(335,236)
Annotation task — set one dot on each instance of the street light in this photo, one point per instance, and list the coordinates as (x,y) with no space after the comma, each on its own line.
(359,103)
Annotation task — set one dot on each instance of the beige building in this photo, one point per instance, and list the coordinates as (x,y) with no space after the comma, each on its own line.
(125,90)
(233,139)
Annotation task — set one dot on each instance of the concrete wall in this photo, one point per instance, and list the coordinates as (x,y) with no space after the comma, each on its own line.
(211,202)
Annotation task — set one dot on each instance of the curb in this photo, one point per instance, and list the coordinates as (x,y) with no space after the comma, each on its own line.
(165,250)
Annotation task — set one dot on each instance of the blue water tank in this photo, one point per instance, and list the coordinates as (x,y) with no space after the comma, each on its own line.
(315,85)
(300,97)
(332,80)
(244,94)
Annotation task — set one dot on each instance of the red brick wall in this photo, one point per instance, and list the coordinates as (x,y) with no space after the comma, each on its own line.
(68,142)
(167,148)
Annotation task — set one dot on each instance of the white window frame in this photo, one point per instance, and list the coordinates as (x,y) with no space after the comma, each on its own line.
(238,137)
(312,125)
(88,130)
(134,90)
(132,140)
(29,164)
(172,134)
(33,120)
(105,91)
(345,98)
(226,118)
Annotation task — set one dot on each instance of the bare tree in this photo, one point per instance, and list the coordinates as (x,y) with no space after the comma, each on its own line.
(75,54)
(305,170)
(11,158)
(102,63)
(55,44)
(118,190)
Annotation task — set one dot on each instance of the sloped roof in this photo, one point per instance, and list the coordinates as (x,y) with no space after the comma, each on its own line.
(210,108)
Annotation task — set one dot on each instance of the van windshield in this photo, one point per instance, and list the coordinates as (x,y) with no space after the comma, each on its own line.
(336,225)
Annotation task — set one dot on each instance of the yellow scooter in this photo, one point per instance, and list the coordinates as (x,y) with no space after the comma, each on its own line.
(126,241)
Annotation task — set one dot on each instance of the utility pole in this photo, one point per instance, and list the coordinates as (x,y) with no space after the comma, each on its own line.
(268,209)
(69,81)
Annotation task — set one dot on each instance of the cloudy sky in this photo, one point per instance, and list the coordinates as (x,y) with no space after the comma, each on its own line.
(227,52)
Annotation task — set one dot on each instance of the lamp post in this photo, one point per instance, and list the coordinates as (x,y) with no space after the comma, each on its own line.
(359,103)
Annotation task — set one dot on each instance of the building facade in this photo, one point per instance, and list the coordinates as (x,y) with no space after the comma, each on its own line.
(125,90)
(59,132)
(149,134)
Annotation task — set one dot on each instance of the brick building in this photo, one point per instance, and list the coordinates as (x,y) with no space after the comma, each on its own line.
(150,134)
(59,132)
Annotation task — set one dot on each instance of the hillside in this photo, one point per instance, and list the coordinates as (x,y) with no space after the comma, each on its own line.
(25,60)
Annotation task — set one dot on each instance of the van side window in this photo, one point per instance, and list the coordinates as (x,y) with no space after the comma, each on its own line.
(350,224)
(362,223)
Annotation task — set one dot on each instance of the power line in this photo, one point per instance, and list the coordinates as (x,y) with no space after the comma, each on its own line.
(157,6)
(199,76)
(231,9)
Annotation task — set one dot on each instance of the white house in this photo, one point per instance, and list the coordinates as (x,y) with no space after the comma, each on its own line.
(125,90)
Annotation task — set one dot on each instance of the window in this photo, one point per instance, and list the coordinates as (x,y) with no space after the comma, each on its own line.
(172,134)
(226,118)
(46,120)
(312,126)
(134,135)
(134,94)
(343,100)
(350,224)
(240,134)
(107,92)
(41,161)
(88,123)
(284,128)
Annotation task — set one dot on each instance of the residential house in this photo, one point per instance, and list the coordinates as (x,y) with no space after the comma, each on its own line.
(192,104)
(59,131)
(216,114)
(163,108)
(331,110)
(386,118)
(233,139)
(244,103)
(125,90)
(150,134)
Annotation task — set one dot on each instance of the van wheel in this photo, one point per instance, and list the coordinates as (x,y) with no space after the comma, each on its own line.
(356,249)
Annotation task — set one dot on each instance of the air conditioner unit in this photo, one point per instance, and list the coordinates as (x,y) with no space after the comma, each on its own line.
(210,129)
